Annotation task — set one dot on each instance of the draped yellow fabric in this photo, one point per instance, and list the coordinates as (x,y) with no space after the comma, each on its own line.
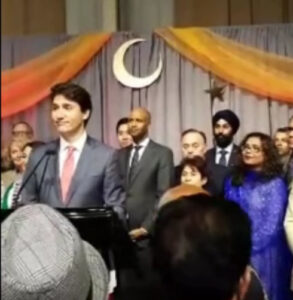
(29,83)
(262,73)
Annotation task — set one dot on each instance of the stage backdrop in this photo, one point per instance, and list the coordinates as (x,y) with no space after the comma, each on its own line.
(177,100)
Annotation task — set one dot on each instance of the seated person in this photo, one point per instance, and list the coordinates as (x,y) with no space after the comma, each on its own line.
(201,249)
(43,257)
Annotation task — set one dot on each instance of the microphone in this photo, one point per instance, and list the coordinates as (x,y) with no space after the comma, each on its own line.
(51,150)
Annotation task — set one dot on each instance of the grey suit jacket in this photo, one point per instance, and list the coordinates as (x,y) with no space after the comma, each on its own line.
(152,178)
(95,182)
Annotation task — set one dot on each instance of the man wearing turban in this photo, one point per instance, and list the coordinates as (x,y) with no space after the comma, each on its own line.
(221,158)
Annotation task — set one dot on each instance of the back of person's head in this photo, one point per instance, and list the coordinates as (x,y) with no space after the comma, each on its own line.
(43,257)
(202,248)
(76,93)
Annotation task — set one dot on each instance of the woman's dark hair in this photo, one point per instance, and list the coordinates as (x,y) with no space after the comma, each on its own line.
(197,162)
(271,166)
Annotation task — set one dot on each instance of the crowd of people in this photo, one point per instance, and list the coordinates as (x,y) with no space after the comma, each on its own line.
(236,216)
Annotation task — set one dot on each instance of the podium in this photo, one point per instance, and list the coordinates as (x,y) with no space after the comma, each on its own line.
(102,228)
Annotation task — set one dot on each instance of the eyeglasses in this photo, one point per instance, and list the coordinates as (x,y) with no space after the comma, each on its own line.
(253,149)
(20,133)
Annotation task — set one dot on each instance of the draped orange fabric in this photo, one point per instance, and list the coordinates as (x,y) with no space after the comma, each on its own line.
(262,73)
(29,83)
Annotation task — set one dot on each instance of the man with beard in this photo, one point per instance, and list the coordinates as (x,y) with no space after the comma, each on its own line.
(221,159)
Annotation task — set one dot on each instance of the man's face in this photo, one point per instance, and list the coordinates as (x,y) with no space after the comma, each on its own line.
(16,154)
(138,124)
(124,138)
(67,116)
(21,133)
(281,141)
(193,145)
(223,133)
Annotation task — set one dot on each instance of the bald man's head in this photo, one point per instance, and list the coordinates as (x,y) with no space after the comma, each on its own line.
(139,121)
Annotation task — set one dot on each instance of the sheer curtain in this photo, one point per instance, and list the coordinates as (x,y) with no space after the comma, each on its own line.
(177,100)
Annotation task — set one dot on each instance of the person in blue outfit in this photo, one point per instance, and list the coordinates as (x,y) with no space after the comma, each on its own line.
(257,186)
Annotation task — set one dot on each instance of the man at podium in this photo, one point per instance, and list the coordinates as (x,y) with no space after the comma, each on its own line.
(75,170)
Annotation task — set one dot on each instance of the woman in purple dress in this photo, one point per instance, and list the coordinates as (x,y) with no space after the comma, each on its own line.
(256,185)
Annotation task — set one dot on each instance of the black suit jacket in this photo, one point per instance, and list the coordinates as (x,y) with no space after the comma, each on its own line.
(217,173)
(153,176)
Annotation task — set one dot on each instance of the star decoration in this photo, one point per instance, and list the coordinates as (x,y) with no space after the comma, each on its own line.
(216,91)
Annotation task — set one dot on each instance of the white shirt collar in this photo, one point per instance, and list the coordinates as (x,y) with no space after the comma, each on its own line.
(144,143)
(228,148)
(78,144)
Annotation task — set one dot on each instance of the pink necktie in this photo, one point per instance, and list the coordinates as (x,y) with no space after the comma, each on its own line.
(67,173)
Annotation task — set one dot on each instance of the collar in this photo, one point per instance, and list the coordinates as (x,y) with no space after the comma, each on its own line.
(228,148)
(78,144)
(143,143)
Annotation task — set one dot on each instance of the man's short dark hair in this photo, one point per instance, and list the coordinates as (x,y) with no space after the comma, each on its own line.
(201,247)
(191,130)
(122,121)
(284,129)
(76,93)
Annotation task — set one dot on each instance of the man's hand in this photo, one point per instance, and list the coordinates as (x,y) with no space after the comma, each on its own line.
(138,233)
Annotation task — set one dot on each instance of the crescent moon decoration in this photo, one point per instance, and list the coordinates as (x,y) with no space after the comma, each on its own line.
(123,76)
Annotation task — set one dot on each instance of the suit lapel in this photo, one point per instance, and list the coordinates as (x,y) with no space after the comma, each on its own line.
(126,156)
(144,160)
(234,156)
(56,175)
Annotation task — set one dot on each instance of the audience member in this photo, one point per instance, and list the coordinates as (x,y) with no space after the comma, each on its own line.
(15,155)
(281,141)
(202,248)
(147,171)
(223,157)
(261,192)
(194,171)
(43,257)
(22,132)
(193,143)
(11,198)
(289,227)
(289,175)
(123,136)
(83,171)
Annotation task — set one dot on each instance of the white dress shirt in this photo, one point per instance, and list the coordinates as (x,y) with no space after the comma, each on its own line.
(228,150)
(78,146)
(143,146)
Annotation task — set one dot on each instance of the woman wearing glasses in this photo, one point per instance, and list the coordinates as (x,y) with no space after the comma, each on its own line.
(257,186)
